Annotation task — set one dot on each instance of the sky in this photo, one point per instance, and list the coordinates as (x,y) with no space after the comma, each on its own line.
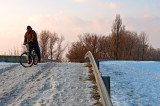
(71,18)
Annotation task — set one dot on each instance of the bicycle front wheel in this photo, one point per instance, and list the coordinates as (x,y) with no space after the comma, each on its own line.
(26,59)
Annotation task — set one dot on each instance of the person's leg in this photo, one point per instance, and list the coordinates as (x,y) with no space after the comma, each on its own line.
(38,52)
(30,49)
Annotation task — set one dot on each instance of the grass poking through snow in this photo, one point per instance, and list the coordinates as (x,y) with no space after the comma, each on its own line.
(95,94)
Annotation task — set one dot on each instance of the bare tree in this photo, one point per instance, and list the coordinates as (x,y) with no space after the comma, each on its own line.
(117,27)
(144,45)
(53,38)
(86,42)
(75,53)
(16,52)
(44,39)
(60,48)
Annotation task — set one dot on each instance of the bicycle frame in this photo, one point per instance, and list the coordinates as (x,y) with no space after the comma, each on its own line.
(32,50)
(27,46)
(33,53)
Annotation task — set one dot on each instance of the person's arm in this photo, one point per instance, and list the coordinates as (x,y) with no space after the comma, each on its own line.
(34,37)
(25,39)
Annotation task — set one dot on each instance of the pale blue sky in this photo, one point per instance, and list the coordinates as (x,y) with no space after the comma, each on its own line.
(74,17)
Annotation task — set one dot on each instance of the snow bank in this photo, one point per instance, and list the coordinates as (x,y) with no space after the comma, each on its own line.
(133,82)
(51,84)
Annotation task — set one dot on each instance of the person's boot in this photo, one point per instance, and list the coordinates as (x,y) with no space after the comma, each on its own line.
(29,62)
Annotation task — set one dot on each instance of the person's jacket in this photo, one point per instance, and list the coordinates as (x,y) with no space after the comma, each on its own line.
(31,38)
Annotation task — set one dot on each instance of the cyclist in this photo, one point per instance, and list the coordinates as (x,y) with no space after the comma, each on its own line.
(31,38)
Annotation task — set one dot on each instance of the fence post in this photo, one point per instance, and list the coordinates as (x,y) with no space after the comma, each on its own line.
(97,62)
(106,80)
(87,59)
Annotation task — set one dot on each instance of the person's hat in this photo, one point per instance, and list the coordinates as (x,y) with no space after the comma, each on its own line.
(29,27)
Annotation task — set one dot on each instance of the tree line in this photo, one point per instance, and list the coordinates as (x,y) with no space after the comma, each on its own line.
(121,44)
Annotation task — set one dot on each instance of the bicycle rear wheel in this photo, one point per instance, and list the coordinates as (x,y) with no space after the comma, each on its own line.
(35,58)
(26,59)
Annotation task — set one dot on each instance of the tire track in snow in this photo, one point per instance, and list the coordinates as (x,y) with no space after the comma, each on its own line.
(3,70)
(17,80)
(49,85)
(38,77)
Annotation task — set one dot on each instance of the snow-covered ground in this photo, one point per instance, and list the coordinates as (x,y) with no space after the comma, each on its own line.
(133,83)
(48,84)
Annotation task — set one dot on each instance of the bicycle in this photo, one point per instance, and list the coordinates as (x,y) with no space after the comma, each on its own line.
(28,59)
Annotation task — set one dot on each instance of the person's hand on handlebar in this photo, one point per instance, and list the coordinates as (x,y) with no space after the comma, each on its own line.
(24,43)
(30,41)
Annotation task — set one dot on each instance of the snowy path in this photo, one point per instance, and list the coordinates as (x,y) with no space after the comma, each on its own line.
(53,84)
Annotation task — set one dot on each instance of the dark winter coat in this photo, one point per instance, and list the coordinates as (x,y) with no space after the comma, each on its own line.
(31,38)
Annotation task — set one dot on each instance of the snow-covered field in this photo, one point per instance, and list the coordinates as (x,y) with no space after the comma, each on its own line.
(48,84)
(133,83)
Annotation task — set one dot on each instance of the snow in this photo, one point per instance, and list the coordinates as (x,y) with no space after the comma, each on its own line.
(133,82)
(51,84)
(6,66)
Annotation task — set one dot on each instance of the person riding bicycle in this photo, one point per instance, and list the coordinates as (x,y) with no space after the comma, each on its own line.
(31,38)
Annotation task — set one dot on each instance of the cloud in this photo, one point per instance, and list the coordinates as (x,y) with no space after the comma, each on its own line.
(80,1)
(71,26)
(68,25)
(109,5)
(113,5)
